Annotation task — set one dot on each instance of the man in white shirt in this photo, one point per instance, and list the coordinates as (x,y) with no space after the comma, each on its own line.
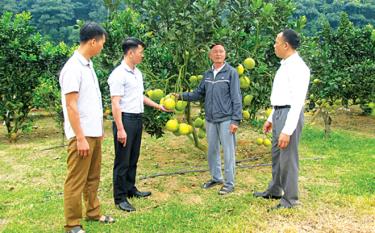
(83,125)
(286,120)
(126,88)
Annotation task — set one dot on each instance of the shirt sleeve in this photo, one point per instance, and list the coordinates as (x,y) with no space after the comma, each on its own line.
(70,81)
(197,94)
(269,119)
(299,82)
(116,85)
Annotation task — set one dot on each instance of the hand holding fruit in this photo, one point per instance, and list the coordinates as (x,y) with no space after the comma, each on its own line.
(176,95)
(162,108)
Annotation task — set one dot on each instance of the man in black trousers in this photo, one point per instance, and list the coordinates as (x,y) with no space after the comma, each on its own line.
(126,88)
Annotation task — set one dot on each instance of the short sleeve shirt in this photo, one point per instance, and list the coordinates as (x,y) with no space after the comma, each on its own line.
(128,84)
(78,75)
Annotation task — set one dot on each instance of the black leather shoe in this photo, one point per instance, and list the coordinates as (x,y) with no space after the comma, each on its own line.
(211,184)
(125,206)
(278,207)
(266,195)
(139,194)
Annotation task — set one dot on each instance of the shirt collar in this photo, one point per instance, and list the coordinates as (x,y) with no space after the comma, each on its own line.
(291,58)
(220,68)
(127,68)
(82,59)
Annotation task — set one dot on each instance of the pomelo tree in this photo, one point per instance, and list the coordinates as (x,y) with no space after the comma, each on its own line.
(178,37)
(21,65)
(47,95)
(343,69)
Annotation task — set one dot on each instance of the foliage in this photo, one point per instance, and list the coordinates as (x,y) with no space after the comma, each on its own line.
(342,66)
(57,20)
(361,13)
(47,95)
(251,28)
(153,120)
(178,37)
(21,65)
(49,15)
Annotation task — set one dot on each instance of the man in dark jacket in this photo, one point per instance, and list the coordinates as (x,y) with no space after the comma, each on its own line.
(220,88)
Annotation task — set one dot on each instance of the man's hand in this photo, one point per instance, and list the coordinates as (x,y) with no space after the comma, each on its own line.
(267,127)
(83,147)
(161,108)
(121,136)
(283,141)
(177,96)
(233,128)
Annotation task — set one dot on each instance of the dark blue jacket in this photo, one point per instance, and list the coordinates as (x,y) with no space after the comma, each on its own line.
(222,95)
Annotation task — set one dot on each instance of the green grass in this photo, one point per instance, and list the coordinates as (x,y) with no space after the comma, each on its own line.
(337,187)
(348,159)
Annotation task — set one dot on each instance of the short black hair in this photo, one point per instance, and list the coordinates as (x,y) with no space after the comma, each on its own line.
(216,43)
(131,43)
(91,30)
(291,37)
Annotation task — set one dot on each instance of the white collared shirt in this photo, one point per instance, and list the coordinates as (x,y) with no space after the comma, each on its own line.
(216,71)
(290,88)
(128,84)
(78,75)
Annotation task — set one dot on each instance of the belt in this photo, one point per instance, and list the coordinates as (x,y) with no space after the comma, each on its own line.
(281,107)
(132,115)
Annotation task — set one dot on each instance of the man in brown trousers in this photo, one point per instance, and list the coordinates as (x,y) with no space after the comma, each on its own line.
(83,126)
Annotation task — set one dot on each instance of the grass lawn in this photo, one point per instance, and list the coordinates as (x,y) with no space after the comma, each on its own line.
(337,184)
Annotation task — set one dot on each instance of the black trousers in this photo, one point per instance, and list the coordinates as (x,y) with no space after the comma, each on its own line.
(126,158)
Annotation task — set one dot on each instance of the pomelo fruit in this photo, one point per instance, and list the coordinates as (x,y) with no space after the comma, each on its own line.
(246,115)
(198,123)
(172,125)
(240,69)
(169,103)
(249,63)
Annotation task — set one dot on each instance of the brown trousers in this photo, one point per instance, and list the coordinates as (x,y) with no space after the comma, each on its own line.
(83,177)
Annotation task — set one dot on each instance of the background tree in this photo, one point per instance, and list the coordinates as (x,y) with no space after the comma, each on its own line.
(342,64)
(361,13)
(178,37)
(54,18)
(47,94)
(21,65)
(57,19)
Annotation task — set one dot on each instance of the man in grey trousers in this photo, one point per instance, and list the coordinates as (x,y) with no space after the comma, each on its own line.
(220,88)
(286,120)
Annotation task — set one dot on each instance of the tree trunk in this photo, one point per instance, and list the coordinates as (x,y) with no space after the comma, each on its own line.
(327,124)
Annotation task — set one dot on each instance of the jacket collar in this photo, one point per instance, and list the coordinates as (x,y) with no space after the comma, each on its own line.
(225,68)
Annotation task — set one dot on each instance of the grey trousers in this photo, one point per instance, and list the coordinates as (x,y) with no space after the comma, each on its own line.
(285,163)
(218,133)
